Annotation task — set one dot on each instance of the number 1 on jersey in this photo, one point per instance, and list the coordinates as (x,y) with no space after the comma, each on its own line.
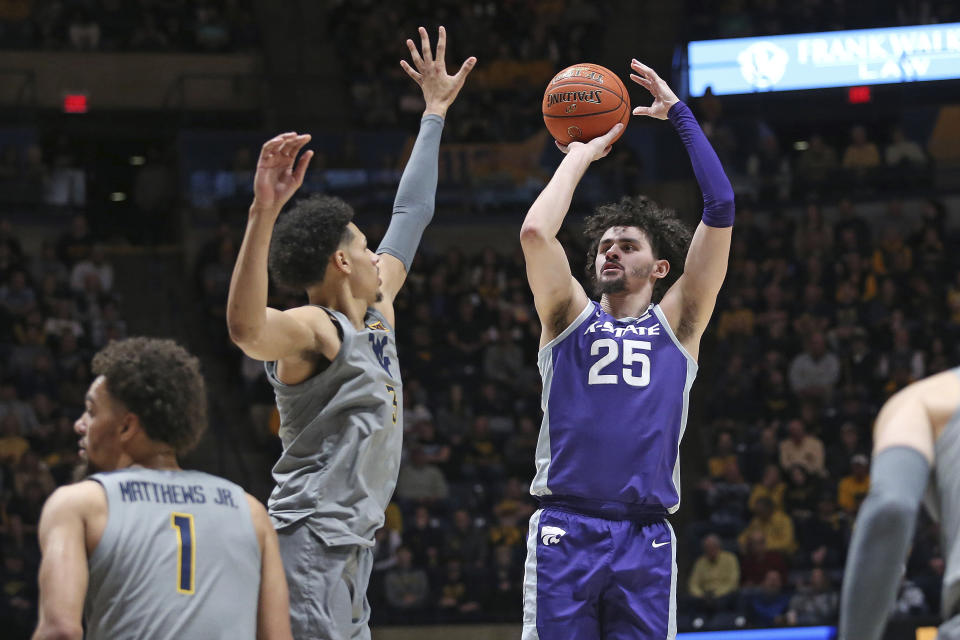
(631,355)
(182,523)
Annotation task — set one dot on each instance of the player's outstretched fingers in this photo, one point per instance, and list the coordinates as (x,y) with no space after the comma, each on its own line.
(643,69)
(465,69)
(441,44)
(425,46)
(414,54)
(643,82)
(302,165)
(411,71)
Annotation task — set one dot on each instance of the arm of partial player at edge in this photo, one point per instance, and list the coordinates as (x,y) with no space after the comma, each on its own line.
(548,270)
(261,332)
(413,207)
(709,252)
(63,569)
(273,607)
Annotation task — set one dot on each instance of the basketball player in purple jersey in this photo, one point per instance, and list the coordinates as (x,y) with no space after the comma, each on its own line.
(601,559)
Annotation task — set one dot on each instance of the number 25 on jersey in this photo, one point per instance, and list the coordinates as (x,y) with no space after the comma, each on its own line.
(636,364)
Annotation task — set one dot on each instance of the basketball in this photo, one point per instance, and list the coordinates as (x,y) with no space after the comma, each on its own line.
(584,101)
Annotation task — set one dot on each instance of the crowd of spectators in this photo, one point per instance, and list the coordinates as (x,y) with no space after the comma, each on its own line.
(858,161)
(820,321)
(521,45)
(123,25)
(58,305)
(742,18)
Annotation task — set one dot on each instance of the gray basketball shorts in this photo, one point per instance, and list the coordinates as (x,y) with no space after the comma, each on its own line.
(328,586)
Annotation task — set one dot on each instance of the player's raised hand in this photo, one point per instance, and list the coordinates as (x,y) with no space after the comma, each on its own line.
(439,88)
(279,174)
(663,95)
(596,148)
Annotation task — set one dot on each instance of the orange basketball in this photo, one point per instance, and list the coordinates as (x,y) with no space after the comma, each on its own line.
(584,101)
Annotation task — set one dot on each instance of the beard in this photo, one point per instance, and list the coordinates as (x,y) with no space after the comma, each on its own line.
(619,284)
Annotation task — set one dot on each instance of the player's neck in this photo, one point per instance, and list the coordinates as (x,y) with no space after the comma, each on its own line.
(626,304)
(165,460)
(339,297)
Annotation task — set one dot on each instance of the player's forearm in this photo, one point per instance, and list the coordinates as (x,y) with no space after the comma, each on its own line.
(546,216)
(249,284)
(718,202)
(416,195)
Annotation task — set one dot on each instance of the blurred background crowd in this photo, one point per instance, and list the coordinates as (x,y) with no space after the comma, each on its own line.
(842,289)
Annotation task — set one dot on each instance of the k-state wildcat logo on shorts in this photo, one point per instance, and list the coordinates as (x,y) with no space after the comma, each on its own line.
(551,535)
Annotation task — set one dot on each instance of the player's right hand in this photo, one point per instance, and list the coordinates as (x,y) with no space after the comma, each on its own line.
(596,148)
(440,88)
(279,175)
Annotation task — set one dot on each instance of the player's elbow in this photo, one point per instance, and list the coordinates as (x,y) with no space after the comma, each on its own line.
(58,630)
(241,331)
(531,233)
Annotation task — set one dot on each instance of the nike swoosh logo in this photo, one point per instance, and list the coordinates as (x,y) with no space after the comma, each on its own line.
(657,545)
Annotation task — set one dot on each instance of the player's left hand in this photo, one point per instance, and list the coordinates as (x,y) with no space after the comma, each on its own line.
(440,89)
(663,95)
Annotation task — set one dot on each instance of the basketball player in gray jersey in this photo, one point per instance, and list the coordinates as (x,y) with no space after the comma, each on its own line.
(142,548)
(333,363)
(916,450)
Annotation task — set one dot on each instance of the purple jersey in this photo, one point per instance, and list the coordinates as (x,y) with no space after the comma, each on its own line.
(615,395)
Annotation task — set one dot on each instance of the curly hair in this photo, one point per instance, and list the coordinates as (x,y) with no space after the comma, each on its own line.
(161,383)
(305,237)
(669,238)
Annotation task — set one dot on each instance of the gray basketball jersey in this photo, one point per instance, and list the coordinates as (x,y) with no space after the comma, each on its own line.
(342,431)
(179,558)
(943,502)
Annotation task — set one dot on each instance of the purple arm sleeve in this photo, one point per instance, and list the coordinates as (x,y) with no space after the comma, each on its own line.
(718,206)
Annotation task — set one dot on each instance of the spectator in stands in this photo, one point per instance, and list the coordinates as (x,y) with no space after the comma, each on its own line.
(506,589)
(458,595)
(18,593)
(714,580)
(466,542)
(775,525)
(802,495)
(841,453)
(771,487)
(421,482)
(762,453)
(861,154)
(424,539)
(815,603)
(406,587)
(12,444)
(769,170)
(817,165)
(802,449)
(768,604)
(815,371)
(95,265)
(726,500)
(722,454)
(903,152)
(853,488)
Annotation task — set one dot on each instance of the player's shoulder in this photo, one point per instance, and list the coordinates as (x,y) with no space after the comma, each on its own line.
(310,313)
(84,497)
(259,516)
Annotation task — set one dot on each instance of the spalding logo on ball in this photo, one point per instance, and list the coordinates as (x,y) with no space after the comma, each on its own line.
(584,101)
